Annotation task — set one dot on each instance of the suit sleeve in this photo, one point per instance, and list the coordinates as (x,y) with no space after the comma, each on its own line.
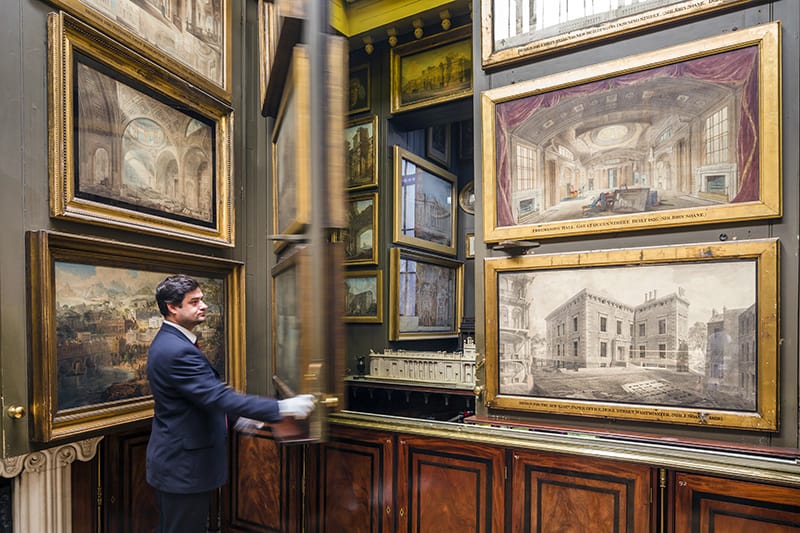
(193,377)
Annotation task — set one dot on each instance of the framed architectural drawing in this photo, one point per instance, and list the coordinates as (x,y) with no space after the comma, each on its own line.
(358,90)
(131,145)
(361,234)
(190,38)
(291,164)
(469,246)
(363,291)
(361,144)
(93,317)
(514,31)
(431,70)
(424,204)
(685,135)
(675,334)
(425,296)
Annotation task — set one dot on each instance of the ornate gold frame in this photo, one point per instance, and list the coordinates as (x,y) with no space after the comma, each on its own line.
(765,39)
(580,36)
(145,45)
(461,36)
(47,248)
(400,155)
(373,121)
(294,113)
(765,254)
(68,37)
(368,319)
(457,299)
(373,260)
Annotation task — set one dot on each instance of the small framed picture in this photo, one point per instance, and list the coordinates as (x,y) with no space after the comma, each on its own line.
(469,246)
(363,296)
(437,144)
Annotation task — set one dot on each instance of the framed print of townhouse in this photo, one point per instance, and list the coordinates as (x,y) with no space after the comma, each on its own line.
(674,334)
(682,136)
(363,293)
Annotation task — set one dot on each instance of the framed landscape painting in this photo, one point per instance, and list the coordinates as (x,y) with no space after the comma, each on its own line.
(191,38)
(682,136)
(426,296)
(424,204)
(131,145)
(674,334)
(513,31)
(94,316)
(432,70)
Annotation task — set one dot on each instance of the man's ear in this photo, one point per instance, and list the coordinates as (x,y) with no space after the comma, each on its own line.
(171,308)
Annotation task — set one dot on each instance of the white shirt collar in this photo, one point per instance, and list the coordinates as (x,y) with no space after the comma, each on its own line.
(189,335)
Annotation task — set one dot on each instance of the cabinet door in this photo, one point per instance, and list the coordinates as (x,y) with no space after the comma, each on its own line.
(307,206)
(565,493)
(708,504)
(356,475)
(448,486)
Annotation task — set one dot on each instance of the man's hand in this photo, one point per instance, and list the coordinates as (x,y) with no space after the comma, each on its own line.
(297,406)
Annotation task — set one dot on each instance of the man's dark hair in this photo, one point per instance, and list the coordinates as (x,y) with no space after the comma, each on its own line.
(172,290)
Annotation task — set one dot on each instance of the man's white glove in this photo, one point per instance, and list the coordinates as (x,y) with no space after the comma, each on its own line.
(297,406)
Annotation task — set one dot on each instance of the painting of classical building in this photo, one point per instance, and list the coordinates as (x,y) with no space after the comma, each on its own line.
(682,335)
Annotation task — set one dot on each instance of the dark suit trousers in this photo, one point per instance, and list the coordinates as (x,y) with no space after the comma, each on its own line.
(183,513)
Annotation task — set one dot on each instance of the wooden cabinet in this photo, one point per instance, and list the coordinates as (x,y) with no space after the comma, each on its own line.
(705,504)
(356,473)
(449,486)
(561,493)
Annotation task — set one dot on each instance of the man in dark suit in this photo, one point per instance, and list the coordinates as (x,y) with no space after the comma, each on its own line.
(186,454)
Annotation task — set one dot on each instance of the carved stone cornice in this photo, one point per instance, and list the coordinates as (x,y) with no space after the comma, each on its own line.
(49,458)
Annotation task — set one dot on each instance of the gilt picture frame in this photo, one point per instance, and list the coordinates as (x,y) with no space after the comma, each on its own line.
(686,135)
(431,70)
(93,316)
(425,296)
(268,33)
(132,146)
(363,296)
(191,39)
(513,32)
(438,142)
(674,334)
(358,89)
(361,145)
(424,204)
(291,316)
(291,162)
(361,234)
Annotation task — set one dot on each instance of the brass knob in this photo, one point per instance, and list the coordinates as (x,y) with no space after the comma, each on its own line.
(477,391)
(15,411)
(330,401)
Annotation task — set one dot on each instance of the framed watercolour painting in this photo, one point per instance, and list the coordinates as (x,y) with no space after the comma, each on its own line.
(514,31)
(131,145)
(361,233)
(424,204)
(361,162)
(93,317)
(291,164)
(686,135)
(674,334)
(363,292)
(425,296)
(267,45)
(190,38)
(432,70)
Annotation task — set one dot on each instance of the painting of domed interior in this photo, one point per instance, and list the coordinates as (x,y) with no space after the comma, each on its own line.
(137,152)
(677,136)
